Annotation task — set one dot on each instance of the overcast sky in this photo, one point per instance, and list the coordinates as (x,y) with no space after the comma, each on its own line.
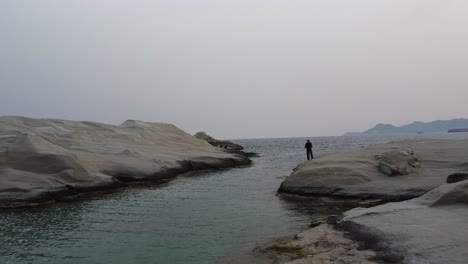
(239,68)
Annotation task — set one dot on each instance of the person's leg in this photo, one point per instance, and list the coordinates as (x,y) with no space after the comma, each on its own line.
(311,155)
(308,155)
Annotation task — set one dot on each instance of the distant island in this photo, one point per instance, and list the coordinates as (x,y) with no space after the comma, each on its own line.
(417,127)
(458,130)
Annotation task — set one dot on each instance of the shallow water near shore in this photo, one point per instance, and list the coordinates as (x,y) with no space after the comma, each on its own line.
(195,219)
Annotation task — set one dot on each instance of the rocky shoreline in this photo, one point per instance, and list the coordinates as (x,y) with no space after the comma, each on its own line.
(43,161)
(411,200)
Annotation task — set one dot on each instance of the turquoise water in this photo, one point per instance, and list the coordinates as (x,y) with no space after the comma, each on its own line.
(197,219)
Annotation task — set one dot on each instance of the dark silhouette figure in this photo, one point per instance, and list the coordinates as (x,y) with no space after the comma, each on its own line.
(308,147)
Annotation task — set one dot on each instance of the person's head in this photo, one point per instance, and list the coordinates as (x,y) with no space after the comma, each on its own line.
(308,141)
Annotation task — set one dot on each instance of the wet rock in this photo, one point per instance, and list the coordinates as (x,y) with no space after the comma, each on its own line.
(321,244)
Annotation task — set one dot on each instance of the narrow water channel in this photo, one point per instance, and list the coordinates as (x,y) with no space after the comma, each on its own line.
(196,219)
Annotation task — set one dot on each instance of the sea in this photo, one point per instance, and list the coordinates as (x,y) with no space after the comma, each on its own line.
(199,219)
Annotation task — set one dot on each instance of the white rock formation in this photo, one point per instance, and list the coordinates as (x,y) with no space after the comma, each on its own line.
(356,173)
(397,162)
(430,229)
(42,159)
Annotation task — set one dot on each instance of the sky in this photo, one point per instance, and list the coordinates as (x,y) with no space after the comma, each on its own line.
(239,68)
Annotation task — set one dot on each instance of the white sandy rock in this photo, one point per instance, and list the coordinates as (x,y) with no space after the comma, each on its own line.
(431,229)
(41,159)
(356,173)
(225,144)
(397,162)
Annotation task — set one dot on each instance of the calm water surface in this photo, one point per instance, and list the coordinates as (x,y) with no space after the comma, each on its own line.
(197,219)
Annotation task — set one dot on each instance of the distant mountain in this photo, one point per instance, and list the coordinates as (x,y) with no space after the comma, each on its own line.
(458,130)
(439,126)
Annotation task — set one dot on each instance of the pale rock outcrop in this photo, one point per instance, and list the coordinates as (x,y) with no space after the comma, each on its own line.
(397,162)
(429,229)
(356,174)
(224,144)
(42,160)
(320,245)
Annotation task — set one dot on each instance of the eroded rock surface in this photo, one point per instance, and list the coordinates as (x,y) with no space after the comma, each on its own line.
(397,162)
(224,144)
(320,245)
(356,173)
(429,229)
(44,159)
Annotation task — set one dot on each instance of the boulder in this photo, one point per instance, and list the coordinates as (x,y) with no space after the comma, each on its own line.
(397,162)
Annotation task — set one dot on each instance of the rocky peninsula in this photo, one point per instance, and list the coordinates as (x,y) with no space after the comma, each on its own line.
(225,144)
(422,189)
(389,172)
(46,160)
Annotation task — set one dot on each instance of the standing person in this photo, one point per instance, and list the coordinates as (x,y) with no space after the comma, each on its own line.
(308,147)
